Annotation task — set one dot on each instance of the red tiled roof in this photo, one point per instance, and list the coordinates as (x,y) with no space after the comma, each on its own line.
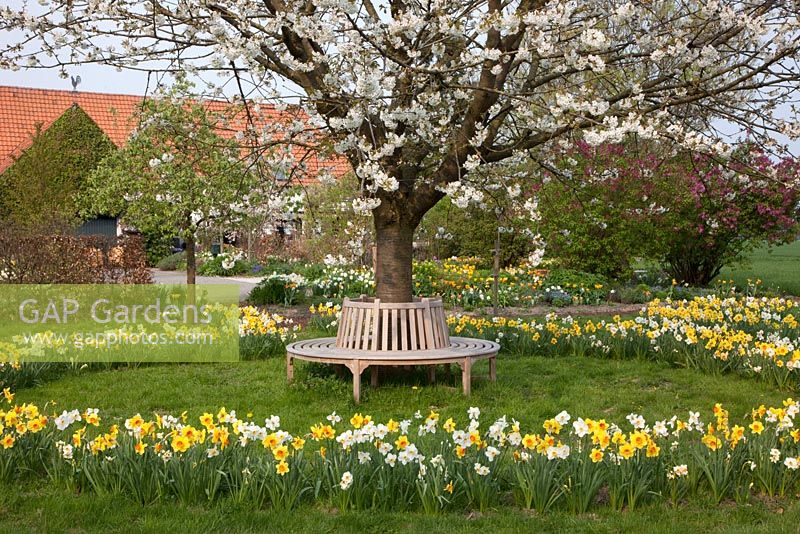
(22,108)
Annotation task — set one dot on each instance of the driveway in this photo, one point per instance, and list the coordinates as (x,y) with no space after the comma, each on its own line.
(179,277)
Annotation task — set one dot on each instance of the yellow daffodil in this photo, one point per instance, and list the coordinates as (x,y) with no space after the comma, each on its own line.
(626,451)
(280,452)
(401,443)
(357,420)
(7,441)
(449,425)
(282,468)
(712,442)
(207,420)
(756,427)
(180,443)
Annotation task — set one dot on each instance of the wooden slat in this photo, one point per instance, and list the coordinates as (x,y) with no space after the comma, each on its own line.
(436,327)
(394,332)
(348,327)
(363,329)
(441,321)
(367,326)
(342,327)
(423,342)
(428,324)
(376,322)
(385,330)
(404,329)
(357,331)
(353,328)
(412,319)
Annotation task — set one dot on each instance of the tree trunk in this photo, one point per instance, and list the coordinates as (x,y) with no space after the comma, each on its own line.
(191,261)
(394,252)
(496,271)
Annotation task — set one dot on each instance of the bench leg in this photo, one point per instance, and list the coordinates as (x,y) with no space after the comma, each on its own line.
(373,376)
(431,374)
(356,383)
(289,368)
(466,376)
(493,369)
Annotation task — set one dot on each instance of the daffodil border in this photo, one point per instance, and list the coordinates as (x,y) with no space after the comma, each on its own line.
(419,463)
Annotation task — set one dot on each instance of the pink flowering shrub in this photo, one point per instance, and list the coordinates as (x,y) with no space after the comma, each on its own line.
(605,206)
(717,213)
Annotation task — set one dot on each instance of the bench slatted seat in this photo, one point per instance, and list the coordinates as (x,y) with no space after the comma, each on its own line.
(372,333)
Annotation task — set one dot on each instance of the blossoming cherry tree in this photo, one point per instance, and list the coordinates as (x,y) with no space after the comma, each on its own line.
(419,95)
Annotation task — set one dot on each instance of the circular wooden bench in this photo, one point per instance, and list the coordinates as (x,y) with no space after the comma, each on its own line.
(372,334)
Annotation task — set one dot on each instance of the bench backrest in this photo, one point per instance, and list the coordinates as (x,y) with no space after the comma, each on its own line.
(369,324)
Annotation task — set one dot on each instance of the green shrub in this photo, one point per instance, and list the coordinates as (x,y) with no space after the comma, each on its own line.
(448,231)
(172,262)
(157,245)
(562,287)
(278,288)
(217,266)
(272,264)
(639,294)
(45,184)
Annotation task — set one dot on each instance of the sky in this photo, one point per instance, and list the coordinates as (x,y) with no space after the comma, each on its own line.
(97,78)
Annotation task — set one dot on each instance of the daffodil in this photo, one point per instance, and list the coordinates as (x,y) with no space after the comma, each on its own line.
(7,441)
(282,468)
(180,443)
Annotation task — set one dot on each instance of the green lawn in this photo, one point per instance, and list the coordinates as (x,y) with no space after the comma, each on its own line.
(40,508)
(778,268)
(528,388)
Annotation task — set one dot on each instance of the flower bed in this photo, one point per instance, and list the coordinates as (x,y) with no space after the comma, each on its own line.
(460,282)
(421,463)
(263,334)
(457,280)
(752,336)
(228,263)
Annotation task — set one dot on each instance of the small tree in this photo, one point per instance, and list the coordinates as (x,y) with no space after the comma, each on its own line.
(176,174)
(604,206)
(41,188)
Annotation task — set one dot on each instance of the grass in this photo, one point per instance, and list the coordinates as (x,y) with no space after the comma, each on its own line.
(34,508)
(778,268)
(528,388)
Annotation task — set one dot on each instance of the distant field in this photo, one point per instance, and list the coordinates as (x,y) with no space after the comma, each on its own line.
(777,268)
